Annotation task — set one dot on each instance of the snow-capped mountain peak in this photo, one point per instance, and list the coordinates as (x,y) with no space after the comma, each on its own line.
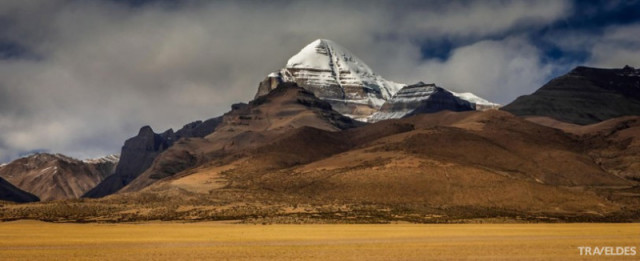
(337,76)
(346,69)
(315,55)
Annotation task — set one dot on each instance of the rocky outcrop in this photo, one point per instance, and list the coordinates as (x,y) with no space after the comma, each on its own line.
(268,84)
(9,192)
(56,176)
(139,152)
(420,98)
(584,96)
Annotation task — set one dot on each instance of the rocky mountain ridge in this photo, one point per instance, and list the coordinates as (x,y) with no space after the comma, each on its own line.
(139,152)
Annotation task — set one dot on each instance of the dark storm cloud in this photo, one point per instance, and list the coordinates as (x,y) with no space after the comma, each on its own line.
(79,77)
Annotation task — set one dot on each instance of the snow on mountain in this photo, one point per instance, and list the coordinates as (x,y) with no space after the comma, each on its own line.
(337,76)
(315,55)
(481,104)
(113,158)
(396,108)
(420,98)
(344,68)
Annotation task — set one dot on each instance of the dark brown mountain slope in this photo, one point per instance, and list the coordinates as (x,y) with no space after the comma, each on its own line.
(487,160)
(452,165)
(584,96)
(249,126)
(9,192)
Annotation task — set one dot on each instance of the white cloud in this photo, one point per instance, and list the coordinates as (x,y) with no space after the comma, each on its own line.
(619,46)
(105,69)
(478,18)
(500,70)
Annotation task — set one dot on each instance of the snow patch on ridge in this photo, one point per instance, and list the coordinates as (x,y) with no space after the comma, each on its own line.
(470,97)
(109,158)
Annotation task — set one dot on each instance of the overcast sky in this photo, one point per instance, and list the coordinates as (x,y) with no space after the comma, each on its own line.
(79,77)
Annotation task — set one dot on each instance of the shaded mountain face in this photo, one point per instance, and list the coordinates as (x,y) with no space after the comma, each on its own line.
(139,152)
(584,96)
(614,143)
(420,98)
(55,176)
(9,192)
(340,78)
(246,127)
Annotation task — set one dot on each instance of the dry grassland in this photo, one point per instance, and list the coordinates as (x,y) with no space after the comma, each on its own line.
(33,240)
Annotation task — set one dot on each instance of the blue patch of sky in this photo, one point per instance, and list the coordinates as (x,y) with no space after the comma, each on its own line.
(10,50)
(592,17)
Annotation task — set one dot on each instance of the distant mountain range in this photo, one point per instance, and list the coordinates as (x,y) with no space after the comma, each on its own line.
(56,176)
(327,139)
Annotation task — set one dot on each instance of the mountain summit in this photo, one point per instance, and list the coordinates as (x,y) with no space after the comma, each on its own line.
(337,76)
(346,70)
(340,78)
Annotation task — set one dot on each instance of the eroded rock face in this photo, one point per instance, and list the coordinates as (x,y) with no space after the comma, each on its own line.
(584,96)
(139,152)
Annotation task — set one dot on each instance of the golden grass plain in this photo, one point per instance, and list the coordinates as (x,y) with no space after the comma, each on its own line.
(34,240)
